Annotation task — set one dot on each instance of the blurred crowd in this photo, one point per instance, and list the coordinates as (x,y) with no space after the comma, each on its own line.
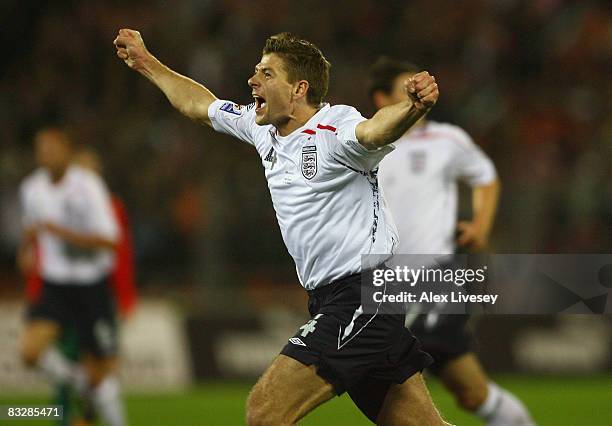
(529,80)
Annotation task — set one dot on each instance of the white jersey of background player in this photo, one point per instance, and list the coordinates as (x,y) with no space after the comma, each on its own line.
(420,183)
(79,201)
(419,180)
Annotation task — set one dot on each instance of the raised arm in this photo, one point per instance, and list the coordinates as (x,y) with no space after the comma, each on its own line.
(190,98)
(391,122)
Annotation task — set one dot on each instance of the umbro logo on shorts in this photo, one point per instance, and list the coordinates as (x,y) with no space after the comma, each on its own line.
(297,341)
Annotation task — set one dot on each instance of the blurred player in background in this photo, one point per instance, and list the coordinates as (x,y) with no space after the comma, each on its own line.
(321,165)
(419,180)
(121,280)
(70,233)
(123,276)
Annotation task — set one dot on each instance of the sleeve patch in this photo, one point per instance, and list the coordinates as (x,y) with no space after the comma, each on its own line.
(231,108)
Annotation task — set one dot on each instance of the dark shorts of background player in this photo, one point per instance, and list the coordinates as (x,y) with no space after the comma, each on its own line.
(356,353)
(447,338)
(86,309)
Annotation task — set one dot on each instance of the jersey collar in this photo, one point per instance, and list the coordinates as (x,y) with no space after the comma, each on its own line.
(308,128)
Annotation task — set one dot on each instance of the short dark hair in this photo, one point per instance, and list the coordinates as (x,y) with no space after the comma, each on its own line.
(384,72)
(303,61)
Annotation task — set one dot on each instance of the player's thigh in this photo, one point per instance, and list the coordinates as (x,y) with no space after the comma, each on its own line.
(286,392)
(409,404)
(466,379)
(37,335)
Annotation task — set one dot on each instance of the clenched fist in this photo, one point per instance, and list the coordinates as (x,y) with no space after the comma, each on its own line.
(422,90)
(131,48)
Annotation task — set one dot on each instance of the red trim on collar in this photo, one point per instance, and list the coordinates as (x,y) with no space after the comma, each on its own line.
(325,127)
(310,132)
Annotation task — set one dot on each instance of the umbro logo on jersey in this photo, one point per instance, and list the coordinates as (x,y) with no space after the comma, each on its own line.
(232,108)
(297,341)
(270,159)
(309,161)
(270,156)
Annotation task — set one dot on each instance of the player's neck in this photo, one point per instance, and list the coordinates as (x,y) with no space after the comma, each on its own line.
(297,119)
(58,174)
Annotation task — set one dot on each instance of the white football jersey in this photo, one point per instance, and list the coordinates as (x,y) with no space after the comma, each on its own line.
(79,202)
(324,188)
(419,180)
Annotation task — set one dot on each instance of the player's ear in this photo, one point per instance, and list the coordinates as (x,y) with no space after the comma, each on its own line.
(380,99)
(300,89)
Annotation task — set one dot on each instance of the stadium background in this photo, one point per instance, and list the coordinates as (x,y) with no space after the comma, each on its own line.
(529,80)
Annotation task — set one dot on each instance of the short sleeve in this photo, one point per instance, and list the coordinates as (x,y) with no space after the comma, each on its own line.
(471,164)
(233,119)
(348,149)
(102,219)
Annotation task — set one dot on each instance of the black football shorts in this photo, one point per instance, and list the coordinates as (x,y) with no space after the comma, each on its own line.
(86,308)
(444,337)
(362,354)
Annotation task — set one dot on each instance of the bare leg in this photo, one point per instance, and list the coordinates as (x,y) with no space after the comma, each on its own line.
(98,369)
(285,393)
(37,336)
(465,378)
(104,389)
(409,404)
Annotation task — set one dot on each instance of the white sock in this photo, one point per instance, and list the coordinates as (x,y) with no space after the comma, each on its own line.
(56,367)
(80,381)
(106,398)
(501,408)
(60,370)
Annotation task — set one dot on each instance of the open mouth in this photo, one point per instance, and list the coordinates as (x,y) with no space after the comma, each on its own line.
(260,103)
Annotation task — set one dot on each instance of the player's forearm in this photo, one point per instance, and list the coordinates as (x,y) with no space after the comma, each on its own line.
(187,96)
(87,241)
(26,251)
(388,125)
(28,240)
(90,242)
(25,258)
(28,237)
(484,203)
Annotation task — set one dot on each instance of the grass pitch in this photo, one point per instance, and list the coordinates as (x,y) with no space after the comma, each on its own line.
(575,401)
